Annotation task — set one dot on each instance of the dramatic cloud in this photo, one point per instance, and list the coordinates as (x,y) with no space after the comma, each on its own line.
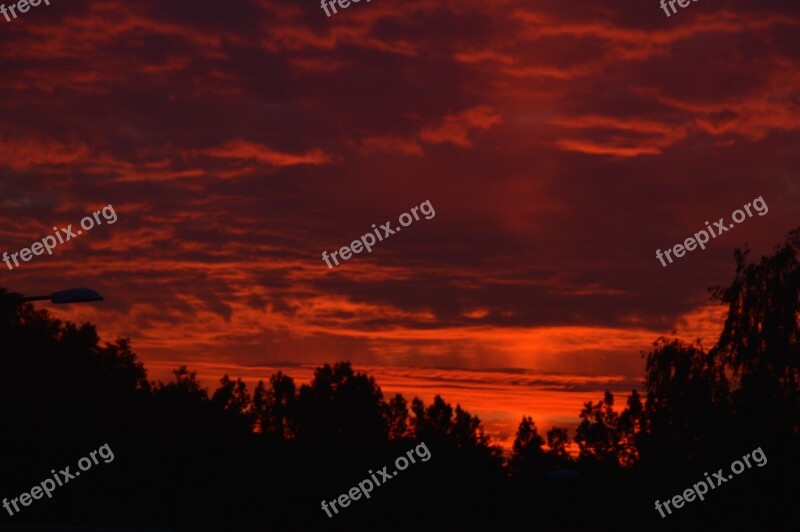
(560,144)
(242,151)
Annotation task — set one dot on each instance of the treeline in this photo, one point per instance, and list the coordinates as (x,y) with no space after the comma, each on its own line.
(237,459)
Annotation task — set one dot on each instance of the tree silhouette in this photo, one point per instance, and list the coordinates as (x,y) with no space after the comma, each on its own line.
(185,386)
(341,405)
(527,455)
(557,441)
(686,401)
(276,408)
(630,427)
(214,462)
(396,415)
(441,422)
(232,396)
(759,342)
(433,422)
(597,435)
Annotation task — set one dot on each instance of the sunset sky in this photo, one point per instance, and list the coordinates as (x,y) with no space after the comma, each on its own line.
(561,143)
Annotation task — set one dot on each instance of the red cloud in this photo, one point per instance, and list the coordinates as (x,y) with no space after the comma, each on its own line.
(25,153)
(456,128)
(390,144)
(253,151)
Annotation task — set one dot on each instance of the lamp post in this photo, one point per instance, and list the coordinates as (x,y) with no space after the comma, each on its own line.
(73,295)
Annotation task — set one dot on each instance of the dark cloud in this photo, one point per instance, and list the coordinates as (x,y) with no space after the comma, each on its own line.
(560,146)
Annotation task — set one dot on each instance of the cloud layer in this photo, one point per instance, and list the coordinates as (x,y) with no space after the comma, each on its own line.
(561,144)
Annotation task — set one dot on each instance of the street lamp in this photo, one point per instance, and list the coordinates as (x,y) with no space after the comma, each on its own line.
(73,295)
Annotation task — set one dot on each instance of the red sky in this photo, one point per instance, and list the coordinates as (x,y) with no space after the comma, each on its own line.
(560,144)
